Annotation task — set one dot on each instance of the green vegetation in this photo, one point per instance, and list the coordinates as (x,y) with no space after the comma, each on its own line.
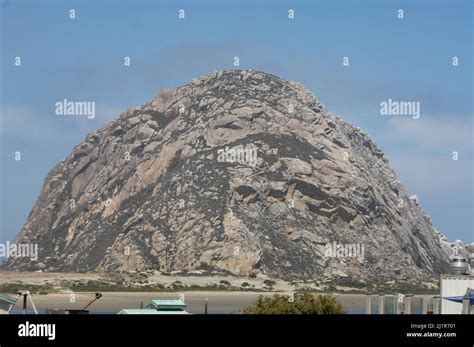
(269,283)
(177,285)
(402,287)
(13,288)
(119,286)
(306,303)
(102,286)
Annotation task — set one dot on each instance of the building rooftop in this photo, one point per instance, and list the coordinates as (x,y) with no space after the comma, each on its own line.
(149,311)
(167,305)
(452,276)
(8,299)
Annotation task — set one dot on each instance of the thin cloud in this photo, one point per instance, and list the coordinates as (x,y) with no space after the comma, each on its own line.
(443,135)
(29,125)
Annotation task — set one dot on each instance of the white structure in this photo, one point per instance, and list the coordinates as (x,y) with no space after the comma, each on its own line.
(454,285)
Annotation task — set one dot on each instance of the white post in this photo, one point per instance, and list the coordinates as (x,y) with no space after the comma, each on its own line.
(368,304)
(436,304)
(466,305)
(381,303)
(408,309)
(424,304)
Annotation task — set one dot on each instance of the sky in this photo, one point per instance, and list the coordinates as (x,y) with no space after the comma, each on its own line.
(81,59)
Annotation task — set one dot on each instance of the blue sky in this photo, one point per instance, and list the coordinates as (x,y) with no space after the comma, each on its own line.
(82,59)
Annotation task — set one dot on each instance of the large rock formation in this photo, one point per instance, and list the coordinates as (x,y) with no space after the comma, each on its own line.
(238,172)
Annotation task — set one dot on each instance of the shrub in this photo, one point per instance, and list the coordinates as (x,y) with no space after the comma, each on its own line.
(269,283)
(304,304)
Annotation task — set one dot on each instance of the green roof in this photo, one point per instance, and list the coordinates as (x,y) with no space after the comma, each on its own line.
(7,299)
(167,305)
(149,311)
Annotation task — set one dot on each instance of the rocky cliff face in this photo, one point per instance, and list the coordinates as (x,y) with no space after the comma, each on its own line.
(239,172)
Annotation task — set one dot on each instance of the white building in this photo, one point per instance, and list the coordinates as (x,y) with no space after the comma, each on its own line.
(454,286)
